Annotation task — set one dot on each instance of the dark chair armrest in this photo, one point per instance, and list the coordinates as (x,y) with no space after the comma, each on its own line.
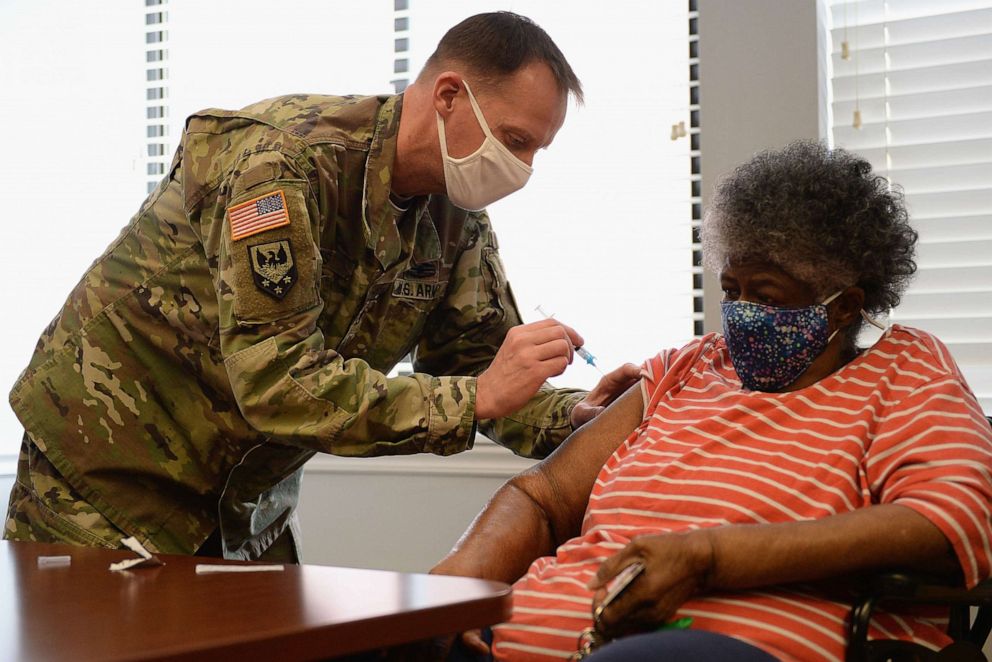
(920,588)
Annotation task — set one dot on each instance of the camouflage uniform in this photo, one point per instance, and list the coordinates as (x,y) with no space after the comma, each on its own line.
(193,370)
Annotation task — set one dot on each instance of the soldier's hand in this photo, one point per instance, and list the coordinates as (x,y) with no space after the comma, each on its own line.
(529,355)
(610,387)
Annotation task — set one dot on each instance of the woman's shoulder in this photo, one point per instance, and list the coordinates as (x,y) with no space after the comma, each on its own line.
(901,346)
(671,367)
(682,358)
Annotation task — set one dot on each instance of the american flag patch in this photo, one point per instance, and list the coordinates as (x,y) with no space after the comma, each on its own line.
(258,215)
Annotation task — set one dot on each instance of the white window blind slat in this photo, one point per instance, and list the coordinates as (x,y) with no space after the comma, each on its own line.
(961,278)
(951,254)
(965,328)
(869,12)
(913,56)
(929,155)
(920,75)
(929,20)
(918,131)
(916,106)
(953,304)
(956,203)
(974,354)
(917,81)
(965,177)
(953,228)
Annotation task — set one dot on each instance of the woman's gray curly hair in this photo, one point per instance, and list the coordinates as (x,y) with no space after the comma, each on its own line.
(820,215)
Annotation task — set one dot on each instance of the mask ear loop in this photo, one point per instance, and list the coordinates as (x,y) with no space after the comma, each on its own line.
(478,117)
(868,318)
(871,320)
(484,125)
(831,297)
(827,301)
(478,111)
(440,135)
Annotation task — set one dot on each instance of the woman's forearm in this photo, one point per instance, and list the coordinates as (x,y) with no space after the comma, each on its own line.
(884,536)
(727,558)
(538,509)
(542,507)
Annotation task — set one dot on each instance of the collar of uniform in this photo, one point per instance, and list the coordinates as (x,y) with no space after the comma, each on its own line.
(381,234)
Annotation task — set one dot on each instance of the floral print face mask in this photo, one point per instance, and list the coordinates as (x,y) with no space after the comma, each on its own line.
(770,347)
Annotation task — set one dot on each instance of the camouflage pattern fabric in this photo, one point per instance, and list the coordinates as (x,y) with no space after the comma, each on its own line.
(44,508)
(244,320)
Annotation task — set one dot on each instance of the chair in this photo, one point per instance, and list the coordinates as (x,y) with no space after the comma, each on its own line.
(969,636)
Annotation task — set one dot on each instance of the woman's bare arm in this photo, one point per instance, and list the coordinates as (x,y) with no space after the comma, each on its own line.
(535,511)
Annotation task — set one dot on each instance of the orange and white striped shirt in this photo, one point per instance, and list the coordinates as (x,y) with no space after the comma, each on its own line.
(898,424)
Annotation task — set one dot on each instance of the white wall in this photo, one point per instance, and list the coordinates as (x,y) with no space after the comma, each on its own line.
(398,513)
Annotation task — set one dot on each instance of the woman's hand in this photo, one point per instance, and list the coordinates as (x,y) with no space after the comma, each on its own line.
(676,567)
(472,640)
(462,565)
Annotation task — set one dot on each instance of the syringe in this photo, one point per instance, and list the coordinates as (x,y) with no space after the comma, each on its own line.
(581,351)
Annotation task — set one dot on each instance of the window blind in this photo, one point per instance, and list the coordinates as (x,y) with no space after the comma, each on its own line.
(920,74)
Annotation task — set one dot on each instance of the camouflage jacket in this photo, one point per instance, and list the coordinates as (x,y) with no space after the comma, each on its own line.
(246,316)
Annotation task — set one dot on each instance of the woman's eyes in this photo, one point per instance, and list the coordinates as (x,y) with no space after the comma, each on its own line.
(758,297)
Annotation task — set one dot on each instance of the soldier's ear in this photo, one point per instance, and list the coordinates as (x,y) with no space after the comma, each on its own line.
(447,85)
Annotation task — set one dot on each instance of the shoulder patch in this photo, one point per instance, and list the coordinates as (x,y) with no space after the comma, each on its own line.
(258,215)
(272,267)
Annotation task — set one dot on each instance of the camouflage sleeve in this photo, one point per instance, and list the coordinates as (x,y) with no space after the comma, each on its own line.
(466,330)
(260,241)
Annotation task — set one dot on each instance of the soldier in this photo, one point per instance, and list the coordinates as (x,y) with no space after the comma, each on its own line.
(245,318)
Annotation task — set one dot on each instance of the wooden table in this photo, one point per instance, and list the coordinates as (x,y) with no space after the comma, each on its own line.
(85,612)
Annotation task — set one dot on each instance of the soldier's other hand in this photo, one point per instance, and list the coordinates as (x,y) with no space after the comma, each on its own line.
(530,354)
(609,388)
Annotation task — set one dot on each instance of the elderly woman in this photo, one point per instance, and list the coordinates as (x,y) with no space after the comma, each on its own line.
(752,471)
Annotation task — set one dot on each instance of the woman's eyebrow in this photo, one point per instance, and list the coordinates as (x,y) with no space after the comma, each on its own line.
(765,279)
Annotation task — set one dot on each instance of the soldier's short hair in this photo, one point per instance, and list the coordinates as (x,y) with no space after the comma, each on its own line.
(496,44)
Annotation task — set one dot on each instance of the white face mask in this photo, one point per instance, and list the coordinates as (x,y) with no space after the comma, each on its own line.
(484,176)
